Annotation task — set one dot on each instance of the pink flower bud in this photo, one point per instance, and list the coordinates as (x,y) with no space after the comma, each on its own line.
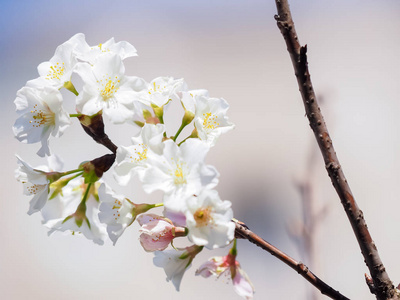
(156,232)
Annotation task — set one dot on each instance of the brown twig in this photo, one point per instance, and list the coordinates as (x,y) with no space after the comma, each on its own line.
(242,231)
(94,127)
(384,288)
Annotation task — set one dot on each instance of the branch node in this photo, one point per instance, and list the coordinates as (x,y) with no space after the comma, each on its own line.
(370,283)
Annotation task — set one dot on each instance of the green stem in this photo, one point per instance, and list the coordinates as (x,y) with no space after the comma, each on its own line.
(183,141)
(86,193)
(179,130)
(75,176)
(71,172)
(75,115)
(158,204)
(161,118)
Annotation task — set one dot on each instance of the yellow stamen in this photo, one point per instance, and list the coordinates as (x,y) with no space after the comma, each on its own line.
(41,117)
(179,173)
(110,87)
(140,155)
(56,71)
(210,121)
(117,205)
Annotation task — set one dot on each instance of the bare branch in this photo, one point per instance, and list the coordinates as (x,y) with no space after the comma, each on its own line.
(384,288)
(242,231)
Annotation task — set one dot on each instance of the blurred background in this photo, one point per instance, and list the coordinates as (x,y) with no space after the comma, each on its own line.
(235,50)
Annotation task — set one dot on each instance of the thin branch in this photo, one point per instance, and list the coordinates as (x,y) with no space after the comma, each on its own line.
(384,288)
(242,231)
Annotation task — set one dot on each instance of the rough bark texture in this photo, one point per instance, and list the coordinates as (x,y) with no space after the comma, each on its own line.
(242,231)
(383,286)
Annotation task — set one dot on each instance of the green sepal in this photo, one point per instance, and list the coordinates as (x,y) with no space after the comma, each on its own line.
(79,222)
(141,208)
(184,255)
(159,112)
(88,223)
(146,114)
(88,120)
(52,176)
(58,186)
(66,219)
(187,117)
(233,250)
(189,262)
(138,123)
(95,194)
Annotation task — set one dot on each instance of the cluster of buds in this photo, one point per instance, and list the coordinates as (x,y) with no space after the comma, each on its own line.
(80,202)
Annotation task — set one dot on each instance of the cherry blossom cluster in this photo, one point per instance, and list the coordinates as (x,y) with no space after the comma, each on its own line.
(80,201)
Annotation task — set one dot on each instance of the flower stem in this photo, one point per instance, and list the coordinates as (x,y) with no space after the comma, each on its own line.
(72,172)
(183,141)
(183,125)
(75,115)
(85,196)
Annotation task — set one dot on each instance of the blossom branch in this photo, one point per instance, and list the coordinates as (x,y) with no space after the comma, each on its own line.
(384,288)
(242,231)
(94,127)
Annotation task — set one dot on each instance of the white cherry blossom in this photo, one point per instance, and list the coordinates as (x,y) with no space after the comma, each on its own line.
(40,114)
(68,213)
(35,182)
(180,171)
(143,114)
(175,262)
(116,212)
(107,88)
(58,70)
(228,266)
(210,119)
(133,159)
(208,219)
(89,54)
(188,99)
(161,90)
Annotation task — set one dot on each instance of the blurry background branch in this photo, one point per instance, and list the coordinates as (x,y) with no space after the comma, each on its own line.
(304,232)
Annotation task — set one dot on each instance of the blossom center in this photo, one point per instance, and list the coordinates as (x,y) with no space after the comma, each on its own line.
(179,173)
(117,205)
(156,88)
(56,71)
(102,49)
(203,217)
(140,155)
(210,121)
(33,189)
(41,117)
(109,87)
